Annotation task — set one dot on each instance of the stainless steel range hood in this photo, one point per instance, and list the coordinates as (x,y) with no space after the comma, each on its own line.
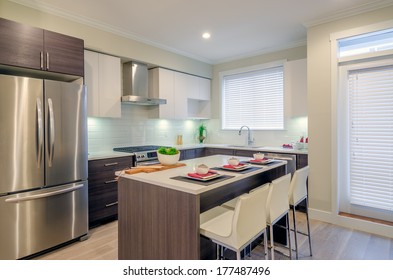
(135,85)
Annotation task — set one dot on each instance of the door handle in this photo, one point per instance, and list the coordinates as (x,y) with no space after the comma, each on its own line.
(47,61)
(111,164)
(111,204)
(51,134)
(40,131)
(42,60)
(43,195)
(110,181)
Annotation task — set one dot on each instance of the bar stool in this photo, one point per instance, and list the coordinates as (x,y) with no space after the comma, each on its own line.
(230,204)
(298,193)
(235,229)
(277,207)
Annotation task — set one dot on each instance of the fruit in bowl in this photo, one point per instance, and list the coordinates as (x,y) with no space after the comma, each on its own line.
(202,169)
(168,155)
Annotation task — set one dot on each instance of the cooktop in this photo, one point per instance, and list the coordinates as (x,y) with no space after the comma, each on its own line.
(135,149)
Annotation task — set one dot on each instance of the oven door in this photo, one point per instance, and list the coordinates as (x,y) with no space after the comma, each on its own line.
(147,162)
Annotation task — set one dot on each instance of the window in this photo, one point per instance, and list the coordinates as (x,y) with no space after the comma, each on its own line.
(366,43)
(254,98)
(371,137)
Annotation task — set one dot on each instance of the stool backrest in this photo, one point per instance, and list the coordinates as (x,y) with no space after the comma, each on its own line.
(298,187)
(277,202)
(250,215)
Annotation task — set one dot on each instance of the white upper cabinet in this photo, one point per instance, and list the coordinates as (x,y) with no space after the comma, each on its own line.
(162,85)
(204,89)
(103,80)
(187,96)
(296,87)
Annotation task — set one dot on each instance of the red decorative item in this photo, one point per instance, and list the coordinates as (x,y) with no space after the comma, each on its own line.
(302,140)
(307,140)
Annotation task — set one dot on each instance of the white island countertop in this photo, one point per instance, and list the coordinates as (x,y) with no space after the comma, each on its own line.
(163,178)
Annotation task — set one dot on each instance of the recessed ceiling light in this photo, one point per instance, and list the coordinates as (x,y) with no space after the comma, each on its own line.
(206,35)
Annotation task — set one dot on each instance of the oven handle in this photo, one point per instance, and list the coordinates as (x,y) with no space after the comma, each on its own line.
(147,163)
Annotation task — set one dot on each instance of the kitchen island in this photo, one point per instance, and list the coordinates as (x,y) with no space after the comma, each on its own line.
(159,211)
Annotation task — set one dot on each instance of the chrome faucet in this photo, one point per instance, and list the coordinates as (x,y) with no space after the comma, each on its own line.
(249,140)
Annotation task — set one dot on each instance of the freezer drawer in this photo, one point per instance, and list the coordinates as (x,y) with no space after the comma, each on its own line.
(35,221)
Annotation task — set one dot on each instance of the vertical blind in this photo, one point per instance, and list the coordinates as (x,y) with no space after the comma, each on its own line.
(371,137)
(254,98)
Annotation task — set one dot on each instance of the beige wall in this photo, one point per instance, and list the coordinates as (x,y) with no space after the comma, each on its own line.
(319,104)
(104,41)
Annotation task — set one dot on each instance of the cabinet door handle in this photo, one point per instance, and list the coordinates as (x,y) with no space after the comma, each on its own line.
(42,60)
(47,61)
(111,164)
(111,181)
(111,204)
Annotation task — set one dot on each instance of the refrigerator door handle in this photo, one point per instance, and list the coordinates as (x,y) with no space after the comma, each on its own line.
(40,131)
(51,134)
(43,195)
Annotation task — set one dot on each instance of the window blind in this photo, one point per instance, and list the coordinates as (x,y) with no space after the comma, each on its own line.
(255,99)
(371,137)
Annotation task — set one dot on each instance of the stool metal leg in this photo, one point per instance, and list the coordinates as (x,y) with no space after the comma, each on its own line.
(238,255)
(271,242)
(289,236)
(265,244)
(295,231)
(218,252)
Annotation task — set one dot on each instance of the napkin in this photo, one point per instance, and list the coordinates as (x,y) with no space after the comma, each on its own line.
(201,176)
(258,160)
(234,166)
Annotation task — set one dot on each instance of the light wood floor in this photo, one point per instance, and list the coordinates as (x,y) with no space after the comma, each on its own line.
(329,242)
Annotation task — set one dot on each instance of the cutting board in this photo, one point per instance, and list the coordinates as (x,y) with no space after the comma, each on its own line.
(152,168)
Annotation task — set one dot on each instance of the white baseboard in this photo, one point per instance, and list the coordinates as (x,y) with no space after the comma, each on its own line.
(352,223)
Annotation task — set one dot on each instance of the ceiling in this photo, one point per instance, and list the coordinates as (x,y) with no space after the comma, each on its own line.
(239,28)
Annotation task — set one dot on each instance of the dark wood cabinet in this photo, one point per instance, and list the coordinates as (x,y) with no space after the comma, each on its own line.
(301,160)
(103,188)
(37,49)
(218,151)
(64,54)
(20,45)
(192,153)
(244,153)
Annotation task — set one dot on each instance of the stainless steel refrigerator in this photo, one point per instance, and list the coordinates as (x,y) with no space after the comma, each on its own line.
(43,165)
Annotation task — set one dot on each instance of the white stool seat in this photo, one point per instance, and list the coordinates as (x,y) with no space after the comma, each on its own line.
(211,214)
(218,227)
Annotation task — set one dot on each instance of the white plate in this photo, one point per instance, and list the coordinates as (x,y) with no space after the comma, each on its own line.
(261,162)
(204,178)
(237,168)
